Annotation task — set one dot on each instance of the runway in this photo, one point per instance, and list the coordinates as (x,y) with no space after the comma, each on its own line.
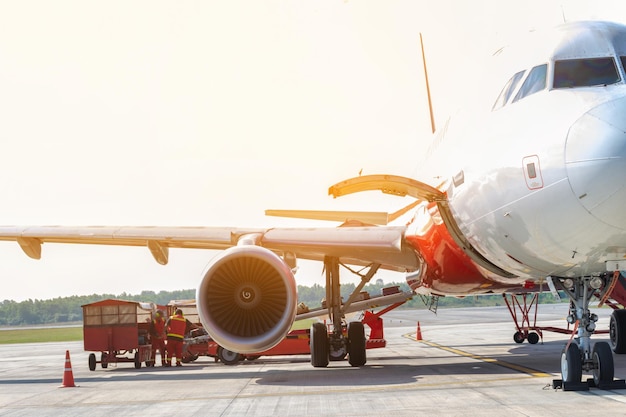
(466,363)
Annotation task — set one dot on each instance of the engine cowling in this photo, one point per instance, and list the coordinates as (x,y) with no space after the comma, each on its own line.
(247,299)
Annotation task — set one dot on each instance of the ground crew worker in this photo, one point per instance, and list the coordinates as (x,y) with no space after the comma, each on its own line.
(177,327)
(157,336)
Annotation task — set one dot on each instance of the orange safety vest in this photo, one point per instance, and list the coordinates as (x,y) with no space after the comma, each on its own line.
(178,325)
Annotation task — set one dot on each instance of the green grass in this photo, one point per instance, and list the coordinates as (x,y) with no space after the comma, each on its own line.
(60,334)
(303,324)
(69,334)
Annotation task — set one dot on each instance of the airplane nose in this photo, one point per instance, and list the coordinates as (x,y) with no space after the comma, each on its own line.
(595,159)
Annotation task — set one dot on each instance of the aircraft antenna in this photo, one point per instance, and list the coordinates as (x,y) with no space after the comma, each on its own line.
(430,103)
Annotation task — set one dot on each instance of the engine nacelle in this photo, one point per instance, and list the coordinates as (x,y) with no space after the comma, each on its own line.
(247,299)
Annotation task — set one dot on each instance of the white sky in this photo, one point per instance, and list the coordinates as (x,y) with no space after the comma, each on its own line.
(208,113)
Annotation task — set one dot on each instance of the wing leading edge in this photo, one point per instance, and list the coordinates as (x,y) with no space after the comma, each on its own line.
(359,245)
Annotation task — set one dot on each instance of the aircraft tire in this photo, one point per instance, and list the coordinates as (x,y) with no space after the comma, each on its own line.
(319,345)
(604,370)
(617,331)
(357,345)
(571,364)
(228,357)
(92,361)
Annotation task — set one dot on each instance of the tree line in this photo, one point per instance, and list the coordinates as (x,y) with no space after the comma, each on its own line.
(64,310)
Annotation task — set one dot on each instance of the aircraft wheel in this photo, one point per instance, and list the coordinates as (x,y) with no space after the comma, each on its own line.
(519,337)
(571,364)
(92,361)
(103,360)
(356,344)
(228,357)
(603,370)
(617,331)
(319,345)
(137,360)
(533,338)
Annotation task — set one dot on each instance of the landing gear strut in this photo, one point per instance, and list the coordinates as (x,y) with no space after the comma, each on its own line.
(337,343)
(579,355)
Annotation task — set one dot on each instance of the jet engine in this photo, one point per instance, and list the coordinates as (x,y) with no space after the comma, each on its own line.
(247,299)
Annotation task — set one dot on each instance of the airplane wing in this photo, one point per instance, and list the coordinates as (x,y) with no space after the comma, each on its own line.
(247,295)
(358,245)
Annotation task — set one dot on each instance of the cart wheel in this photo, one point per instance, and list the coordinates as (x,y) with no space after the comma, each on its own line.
(92,361)
(137,361)
(533,338)
(149,364)
(189,357)
(253,357)
(519,337)
(228,357)
(103,360)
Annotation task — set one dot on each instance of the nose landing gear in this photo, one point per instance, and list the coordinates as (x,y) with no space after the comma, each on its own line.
(578,356)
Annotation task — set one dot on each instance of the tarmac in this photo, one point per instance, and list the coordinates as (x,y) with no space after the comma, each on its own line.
(465,363)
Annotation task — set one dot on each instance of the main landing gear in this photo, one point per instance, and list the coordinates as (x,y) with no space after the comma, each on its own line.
(343,339)
(579,355)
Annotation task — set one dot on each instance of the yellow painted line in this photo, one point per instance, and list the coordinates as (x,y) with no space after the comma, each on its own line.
(486,359)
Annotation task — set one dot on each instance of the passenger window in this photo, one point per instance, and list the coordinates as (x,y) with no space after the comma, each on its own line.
(507,91)
(585,72)
(535,82)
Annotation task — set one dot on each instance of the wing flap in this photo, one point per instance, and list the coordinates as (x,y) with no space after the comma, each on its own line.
(371,217)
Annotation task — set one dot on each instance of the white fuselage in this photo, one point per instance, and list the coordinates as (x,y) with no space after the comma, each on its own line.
(545,193)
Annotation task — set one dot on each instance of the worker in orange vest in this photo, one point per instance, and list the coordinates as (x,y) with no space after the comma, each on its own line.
(177,326)
(157,336)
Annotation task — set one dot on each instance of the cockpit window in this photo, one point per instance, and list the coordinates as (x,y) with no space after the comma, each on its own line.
(507,90)
(585,72)
(535,82)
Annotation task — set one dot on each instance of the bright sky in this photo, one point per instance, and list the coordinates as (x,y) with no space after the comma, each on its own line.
(207,113)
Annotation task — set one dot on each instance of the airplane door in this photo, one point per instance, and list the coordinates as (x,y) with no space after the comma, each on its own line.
(532,172)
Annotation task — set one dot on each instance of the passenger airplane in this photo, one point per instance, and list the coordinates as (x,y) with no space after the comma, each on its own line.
(530,197)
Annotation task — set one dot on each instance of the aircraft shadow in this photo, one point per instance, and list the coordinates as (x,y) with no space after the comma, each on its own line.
(378,372)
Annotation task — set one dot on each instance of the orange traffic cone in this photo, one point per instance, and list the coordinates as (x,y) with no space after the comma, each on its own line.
(68,375)
(418,335)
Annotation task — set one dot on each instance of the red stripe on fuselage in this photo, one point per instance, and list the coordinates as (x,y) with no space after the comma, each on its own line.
(448,269)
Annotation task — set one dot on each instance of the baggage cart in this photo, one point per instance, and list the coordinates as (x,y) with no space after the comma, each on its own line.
(119,330)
